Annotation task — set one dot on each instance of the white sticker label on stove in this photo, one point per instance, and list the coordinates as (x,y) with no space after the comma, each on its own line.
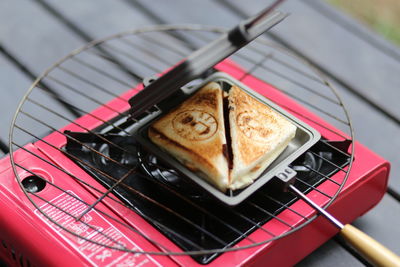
(94,227)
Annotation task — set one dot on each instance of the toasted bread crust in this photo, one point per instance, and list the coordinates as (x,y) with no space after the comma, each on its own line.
(256,125)
(194,133)
(257,132)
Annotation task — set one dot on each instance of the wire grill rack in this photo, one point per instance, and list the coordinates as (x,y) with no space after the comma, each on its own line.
(54,113)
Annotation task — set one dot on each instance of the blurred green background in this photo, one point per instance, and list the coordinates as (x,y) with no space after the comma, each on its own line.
(383,16)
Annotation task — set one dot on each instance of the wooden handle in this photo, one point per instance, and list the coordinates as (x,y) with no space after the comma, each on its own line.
(369,247)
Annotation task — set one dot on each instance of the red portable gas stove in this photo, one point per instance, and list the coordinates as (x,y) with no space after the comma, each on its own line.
(88,194)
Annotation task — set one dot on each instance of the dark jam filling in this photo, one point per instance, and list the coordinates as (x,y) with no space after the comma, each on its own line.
(227,148)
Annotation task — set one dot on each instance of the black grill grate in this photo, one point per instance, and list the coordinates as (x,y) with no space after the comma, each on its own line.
(181,211)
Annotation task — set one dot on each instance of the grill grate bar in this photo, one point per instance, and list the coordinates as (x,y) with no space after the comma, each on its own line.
(308,103)
(304,101)
(68,154)
(270,214)
(320,173)
(112,60)
(79,125)
(119,181)
(241,234)
(309,187)
(133,58)
(259,64)
(307,88)
(127,225)
(294,69)
(146,51)
(170,47)
(287,205)
(105,194)
(64,211)
(257,225)
(71,137)
(296,83)
(93,116)
(312,187)
(329,161)
(120,65)
(110,197)
(138,193)
(262,53)
(313,121)
(94,85)
(256,65)
(272,71)
(102,72)
(61,100)
(271,56)
(283,76)
(251,47)
(337,149)
(71,88)
(193,204)
(156,203)
(68,173)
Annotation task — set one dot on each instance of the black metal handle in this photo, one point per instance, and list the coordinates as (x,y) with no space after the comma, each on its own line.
(203,59)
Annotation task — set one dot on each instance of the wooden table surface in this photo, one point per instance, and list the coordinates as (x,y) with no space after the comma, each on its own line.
(364,68)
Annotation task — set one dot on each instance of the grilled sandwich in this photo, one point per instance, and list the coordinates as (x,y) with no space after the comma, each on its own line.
(259,135)
(194,133)
(230,139)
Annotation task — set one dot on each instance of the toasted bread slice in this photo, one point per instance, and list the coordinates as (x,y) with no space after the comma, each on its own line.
(259,135)
(194,133)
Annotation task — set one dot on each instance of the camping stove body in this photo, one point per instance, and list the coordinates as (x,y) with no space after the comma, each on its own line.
(29,239)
